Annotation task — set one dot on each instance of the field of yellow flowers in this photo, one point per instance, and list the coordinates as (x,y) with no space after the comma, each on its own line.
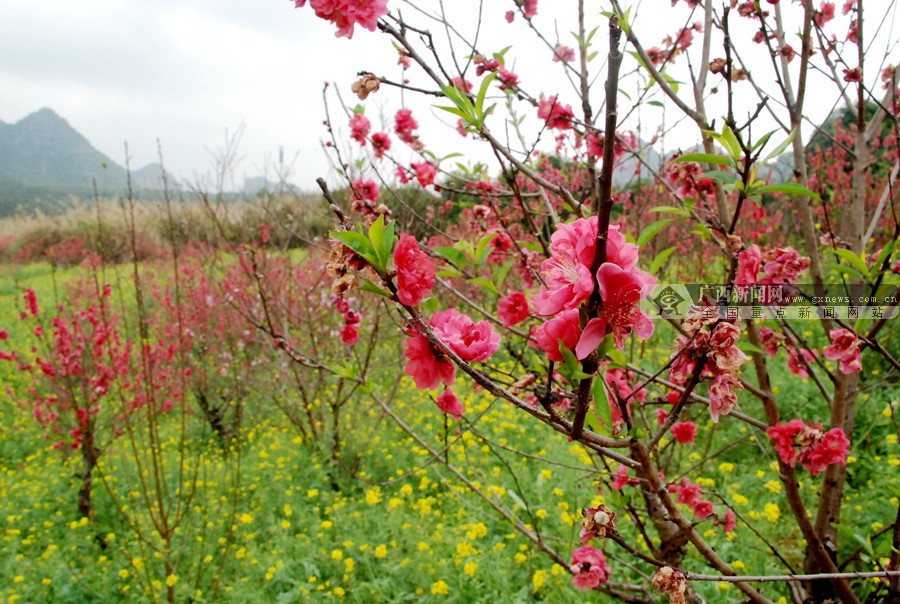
(276,515)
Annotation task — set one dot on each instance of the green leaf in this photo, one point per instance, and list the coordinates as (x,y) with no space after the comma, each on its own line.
(370,287)
(858,263)
(479,101)
(601,402)
(504,270)
(456,111)
(451,254)
(731,142)
(466,248)
(617,357)
(780,148)
(348,371)
(655,103)
(483,251)
(848,269)
(763,140)
(660,259)
(485,283)
(791,188)
(570,368)
(672,82)
(706,158)
(670,210)
(886,252)
(749,348)
(430,304)
(651,230)
(358,243)
(449,271)
(376,236)
(721,176)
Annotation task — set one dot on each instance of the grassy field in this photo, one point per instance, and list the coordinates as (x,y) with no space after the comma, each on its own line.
(277,515)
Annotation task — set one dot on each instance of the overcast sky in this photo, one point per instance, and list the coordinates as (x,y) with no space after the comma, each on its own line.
(189,72)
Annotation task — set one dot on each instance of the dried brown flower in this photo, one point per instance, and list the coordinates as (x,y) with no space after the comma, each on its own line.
(365,85)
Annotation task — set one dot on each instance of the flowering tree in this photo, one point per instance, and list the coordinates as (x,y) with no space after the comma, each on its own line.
(538,260)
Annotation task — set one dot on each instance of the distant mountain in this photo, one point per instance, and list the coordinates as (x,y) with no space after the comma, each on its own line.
(151,177)
(43,149)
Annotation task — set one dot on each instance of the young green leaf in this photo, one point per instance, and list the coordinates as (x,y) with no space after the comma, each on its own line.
(780,148)
(651,230)
(370,287)
(660,259)
(858,263)
(791,188)
(358,243)
(706,158)
(601,402)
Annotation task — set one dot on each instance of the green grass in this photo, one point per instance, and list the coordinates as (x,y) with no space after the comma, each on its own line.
(278,519)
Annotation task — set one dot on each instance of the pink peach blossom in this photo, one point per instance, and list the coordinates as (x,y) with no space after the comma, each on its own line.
(749,264)
(782,437)
(415,271)
(427,367)
(473,342)
(404,125)
(845,349)
(684,432)
(564,326)
(449,404)
(425,172)
(621,292)
(703,509)
(381,143)
(563,53)
(555,114)
(589,568)
(348,13)
(513,309)
(722,396)
(359,128)
(832,447)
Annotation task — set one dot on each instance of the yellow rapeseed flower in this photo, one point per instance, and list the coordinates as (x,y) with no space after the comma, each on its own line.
(539,578)
(381,551)
(440,588)
(373,496)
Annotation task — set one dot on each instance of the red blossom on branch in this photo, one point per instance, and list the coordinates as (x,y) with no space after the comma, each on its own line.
(348,13)
(589,567)
(415,271)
